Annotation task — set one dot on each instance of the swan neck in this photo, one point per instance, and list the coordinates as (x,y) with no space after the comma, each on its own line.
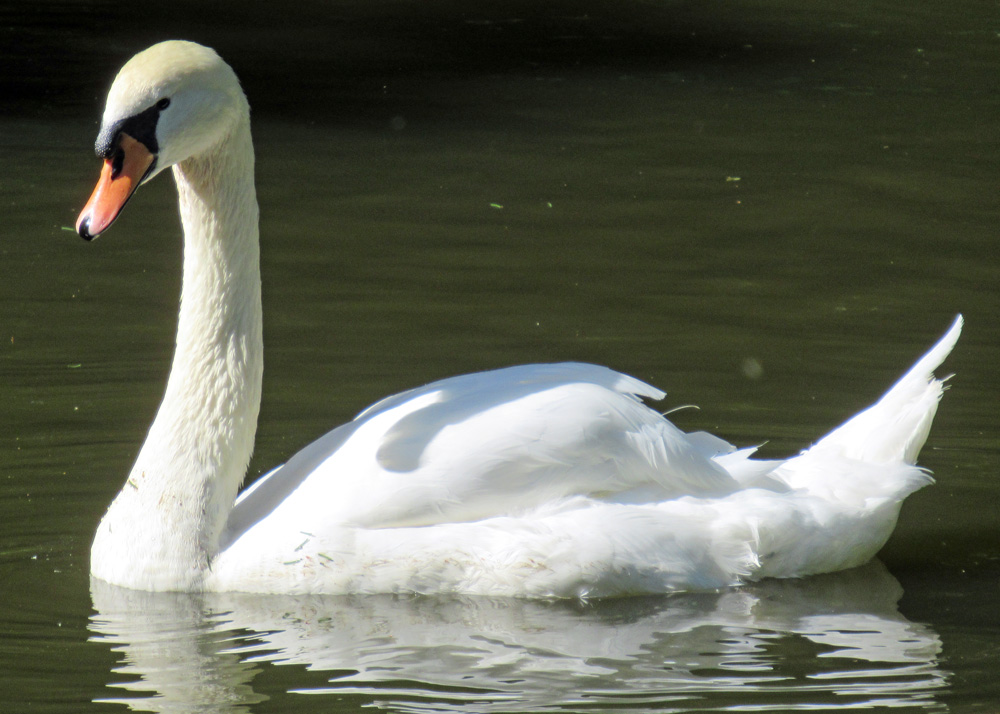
(186,477)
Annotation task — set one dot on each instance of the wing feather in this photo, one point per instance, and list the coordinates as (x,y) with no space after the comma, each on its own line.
(490,444)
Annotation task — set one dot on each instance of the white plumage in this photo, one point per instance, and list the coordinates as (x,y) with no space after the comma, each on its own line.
(550,480)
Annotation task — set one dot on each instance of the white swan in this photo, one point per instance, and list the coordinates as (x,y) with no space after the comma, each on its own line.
(541,481)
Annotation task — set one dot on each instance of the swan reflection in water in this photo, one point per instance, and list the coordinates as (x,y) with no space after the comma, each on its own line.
(829,641)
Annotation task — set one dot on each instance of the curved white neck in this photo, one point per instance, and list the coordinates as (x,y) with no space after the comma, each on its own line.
(164,527)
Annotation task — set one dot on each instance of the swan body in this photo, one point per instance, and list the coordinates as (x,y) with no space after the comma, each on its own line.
(552,480)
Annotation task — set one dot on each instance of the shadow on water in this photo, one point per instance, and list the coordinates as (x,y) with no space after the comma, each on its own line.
(340,58)
(830,641)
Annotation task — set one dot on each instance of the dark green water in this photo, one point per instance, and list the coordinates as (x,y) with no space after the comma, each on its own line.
(676,190)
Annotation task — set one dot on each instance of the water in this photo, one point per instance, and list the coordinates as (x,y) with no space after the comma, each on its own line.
(768,209)
(444,654)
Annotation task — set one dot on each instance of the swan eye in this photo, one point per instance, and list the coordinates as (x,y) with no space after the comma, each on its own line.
(163,103)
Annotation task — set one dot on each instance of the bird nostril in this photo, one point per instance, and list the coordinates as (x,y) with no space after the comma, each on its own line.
(117,162)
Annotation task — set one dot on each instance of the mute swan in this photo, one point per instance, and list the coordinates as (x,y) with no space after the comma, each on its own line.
(550,480)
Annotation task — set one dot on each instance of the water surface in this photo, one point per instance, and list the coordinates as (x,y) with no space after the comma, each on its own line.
(767,209)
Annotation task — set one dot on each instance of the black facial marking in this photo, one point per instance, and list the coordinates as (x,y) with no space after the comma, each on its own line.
(141,127)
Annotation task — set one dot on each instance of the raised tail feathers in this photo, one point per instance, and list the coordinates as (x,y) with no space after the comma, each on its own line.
(894,429)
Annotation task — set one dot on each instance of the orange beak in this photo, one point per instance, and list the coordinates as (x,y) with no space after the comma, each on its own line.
(120,177)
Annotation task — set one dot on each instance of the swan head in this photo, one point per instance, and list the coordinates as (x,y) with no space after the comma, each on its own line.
(171,102)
